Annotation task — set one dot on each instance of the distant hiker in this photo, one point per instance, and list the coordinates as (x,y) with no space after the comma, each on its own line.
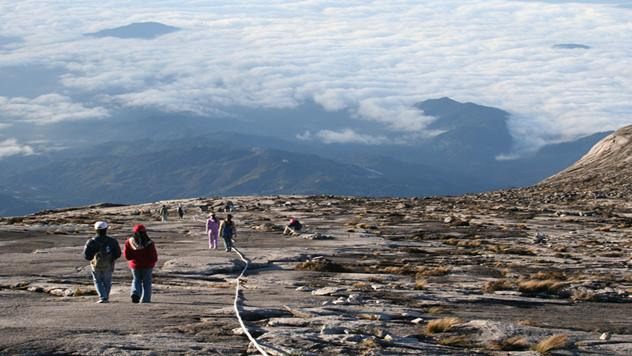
(212,230)
(102,251)
(180,211)
(229,207)
(140,251)
(228,231)
(294,227)
(164,213)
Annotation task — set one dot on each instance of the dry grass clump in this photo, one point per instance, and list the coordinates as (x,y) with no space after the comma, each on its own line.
(542,275)
(515,343)
(538,286)
(433,271)
(370,343)
(554,342)
(583,294)
(436,310)
(511,250)
(405,269)
(360,285)
(463,243)
(321,265)
(372,317)
(442,325)
(420,284)
(457,341)
(499,284)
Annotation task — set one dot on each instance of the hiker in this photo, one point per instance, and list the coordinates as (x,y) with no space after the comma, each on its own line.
(164,213)
(293,228)
(102,251)
(140,251)
(180,211)
(212,230)
(227,231)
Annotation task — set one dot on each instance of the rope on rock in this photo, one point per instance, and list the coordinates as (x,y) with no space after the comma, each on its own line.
(236,302)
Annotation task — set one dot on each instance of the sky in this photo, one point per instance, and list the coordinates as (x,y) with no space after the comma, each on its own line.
(373,59)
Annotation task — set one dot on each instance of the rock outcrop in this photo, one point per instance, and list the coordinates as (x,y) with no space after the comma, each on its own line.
(605,169)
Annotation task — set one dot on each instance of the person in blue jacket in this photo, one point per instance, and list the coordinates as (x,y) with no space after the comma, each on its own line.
(102,251)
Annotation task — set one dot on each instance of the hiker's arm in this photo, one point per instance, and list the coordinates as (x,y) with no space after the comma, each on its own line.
(88,251)
(127,251)
(153,255)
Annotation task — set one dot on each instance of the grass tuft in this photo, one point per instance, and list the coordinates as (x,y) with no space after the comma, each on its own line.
(442,325)
(499,284)
(420,284)
(538,286)
(515,343)
(456,341)
(554,342)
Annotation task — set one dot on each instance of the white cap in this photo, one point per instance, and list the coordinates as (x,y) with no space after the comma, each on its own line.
(100,225)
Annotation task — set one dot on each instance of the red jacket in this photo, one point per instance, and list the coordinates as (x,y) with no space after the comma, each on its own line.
(142,257)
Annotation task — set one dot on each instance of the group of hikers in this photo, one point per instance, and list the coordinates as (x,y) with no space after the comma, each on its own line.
(102,251)
(164,212)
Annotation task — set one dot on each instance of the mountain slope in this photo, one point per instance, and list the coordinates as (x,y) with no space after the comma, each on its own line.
(607,167)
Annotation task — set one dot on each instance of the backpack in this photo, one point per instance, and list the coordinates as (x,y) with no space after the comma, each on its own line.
(102,259)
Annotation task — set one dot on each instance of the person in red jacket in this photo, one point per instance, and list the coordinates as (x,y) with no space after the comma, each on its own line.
(140,251)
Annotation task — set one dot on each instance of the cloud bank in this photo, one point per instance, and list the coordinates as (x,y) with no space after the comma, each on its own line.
(11,147)
(372,58)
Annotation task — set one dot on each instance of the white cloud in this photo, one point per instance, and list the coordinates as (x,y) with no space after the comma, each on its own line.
(48,109)
(11,147)
(375,59)
(349,136)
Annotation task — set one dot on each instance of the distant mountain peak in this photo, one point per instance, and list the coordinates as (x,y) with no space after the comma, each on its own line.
(570,46)
(141,30)
(471,129)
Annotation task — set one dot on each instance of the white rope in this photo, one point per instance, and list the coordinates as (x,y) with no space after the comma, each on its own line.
(241,322)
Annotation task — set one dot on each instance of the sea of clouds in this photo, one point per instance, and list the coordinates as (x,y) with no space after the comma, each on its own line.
(374,59)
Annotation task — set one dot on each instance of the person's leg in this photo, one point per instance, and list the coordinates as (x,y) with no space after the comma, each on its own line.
(210,239)
(146,274)
(136,285)
(226,243)
(98,285)
(215,240)
(107,283)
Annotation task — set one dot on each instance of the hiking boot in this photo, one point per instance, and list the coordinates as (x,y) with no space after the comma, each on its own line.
(102,301)
(135,298)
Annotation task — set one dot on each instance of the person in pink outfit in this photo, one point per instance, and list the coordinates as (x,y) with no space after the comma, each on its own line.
(212,230)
